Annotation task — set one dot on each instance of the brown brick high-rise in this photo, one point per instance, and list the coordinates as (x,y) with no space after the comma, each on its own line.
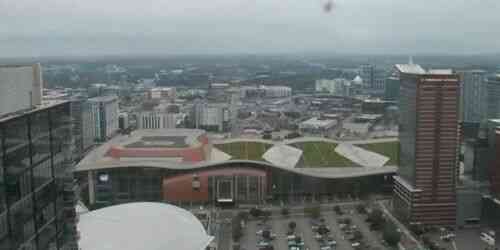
(424,190)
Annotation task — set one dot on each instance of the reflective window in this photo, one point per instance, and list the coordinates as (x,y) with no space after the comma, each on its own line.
(40,138)
(42,174)
(21,221)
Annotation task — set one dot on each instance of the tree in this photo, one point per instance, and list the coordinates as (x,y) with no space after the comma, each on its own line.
(255,212)
(285,211)
(391,235)
(322,230)
(361,208)
(337,210)
(267,136)
(376,219)
(357,235)
(314,212)
(292,225)
(266,234)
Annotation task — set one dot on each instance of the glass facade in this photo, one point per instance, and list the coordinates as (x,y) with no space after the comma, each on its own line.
(36,188)
(407,128)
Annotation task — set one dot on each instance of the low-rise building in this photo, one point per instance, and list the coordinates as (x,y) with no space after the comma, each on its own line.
(316,125)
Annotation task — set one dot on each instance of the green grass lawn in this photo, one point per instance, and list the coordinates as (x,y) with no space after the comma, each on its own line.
(389,149)
(244,150)
(321,154)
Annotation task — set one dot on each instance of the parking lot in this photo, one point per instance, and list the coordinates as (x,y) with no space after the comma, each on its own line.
(337,238)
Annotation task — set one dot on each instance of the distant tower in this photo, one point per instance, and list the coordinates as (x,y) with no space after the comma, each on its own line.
(234,107)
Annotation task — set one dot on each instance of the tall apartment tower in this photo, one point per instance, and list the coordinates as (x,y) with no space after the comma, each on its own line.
(493,96)
(425,188)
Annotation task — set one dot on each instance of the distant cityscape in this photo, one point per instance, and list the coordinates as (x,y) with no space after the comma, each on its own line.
(251,152)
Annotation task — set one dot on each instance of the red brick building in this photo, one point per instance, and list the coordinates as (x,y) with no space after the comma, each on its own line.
(425,188)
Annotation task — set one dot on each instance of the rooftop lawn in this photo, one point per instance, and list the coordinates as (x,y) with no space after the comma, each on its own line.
(244,150)
(321,154)
(389,149)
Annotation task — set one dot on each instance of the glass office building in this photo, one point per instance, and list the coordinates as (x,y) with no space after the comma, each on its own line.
(37,195)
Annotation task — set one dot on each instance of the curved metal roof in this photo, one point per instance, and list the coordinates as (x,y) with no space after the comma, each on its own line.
(141,225)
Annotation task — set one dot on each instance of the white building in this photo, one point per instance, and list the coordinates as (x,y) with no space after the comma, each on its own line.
(210,116)
(265,91)
(315,125)
(338,86)
(104,114)
(21,87)
(276,91)
(162,93)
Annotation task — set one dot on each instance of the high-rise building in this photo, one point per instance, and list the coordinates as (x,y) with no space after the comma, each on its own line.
(212,117)
(493,97)
(37,205)
(472,96)
(157,118)
(392,88)
(367,73)
(104,114)
(425,188)
(20,87)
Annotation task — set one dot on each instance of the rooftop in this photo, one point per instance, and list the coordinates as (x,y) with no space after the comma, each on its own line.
(103,98)
(410,69)
(45,104)
(141,225)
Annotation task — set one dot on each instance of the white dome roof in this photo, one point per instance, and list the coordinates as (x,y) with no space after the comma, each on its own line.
(358,80)
(141,225)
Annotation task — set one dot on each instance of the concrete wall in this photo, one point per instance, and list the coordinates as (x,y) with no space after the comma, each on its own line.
(20,87)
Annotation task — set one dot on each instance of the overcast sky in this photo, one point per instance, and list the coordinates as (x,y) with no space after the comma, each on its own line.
(81,27)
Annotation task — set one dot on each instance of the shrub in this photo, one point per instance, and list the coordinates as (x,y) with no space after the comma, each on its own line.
(285,211)
(292,225)
(391,235)
(337,210)
(255,212)
(314,212)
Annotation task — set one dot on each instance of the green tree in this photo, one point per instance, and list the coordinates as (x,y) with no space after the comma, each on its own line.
(255,212)
(285,211)
(391,235)
(292,225)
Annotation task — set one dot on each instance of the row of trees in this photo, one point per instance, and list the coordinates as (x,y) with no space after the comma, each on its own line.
(377,222)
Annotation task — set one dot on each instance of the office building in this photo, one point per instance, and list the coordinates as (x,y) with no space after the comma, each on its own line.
(493,96)
(265,91)
(157,118)
(392,88)
(473,96)
(212,117)
(162,93)
(367,73)
(339,86)
(38,197)
(20,87)
(218,91)
(104,115)
(425,188)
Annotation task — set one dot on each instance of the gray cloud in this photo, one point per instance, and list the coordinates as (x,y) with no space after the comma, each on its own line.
(78,27)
